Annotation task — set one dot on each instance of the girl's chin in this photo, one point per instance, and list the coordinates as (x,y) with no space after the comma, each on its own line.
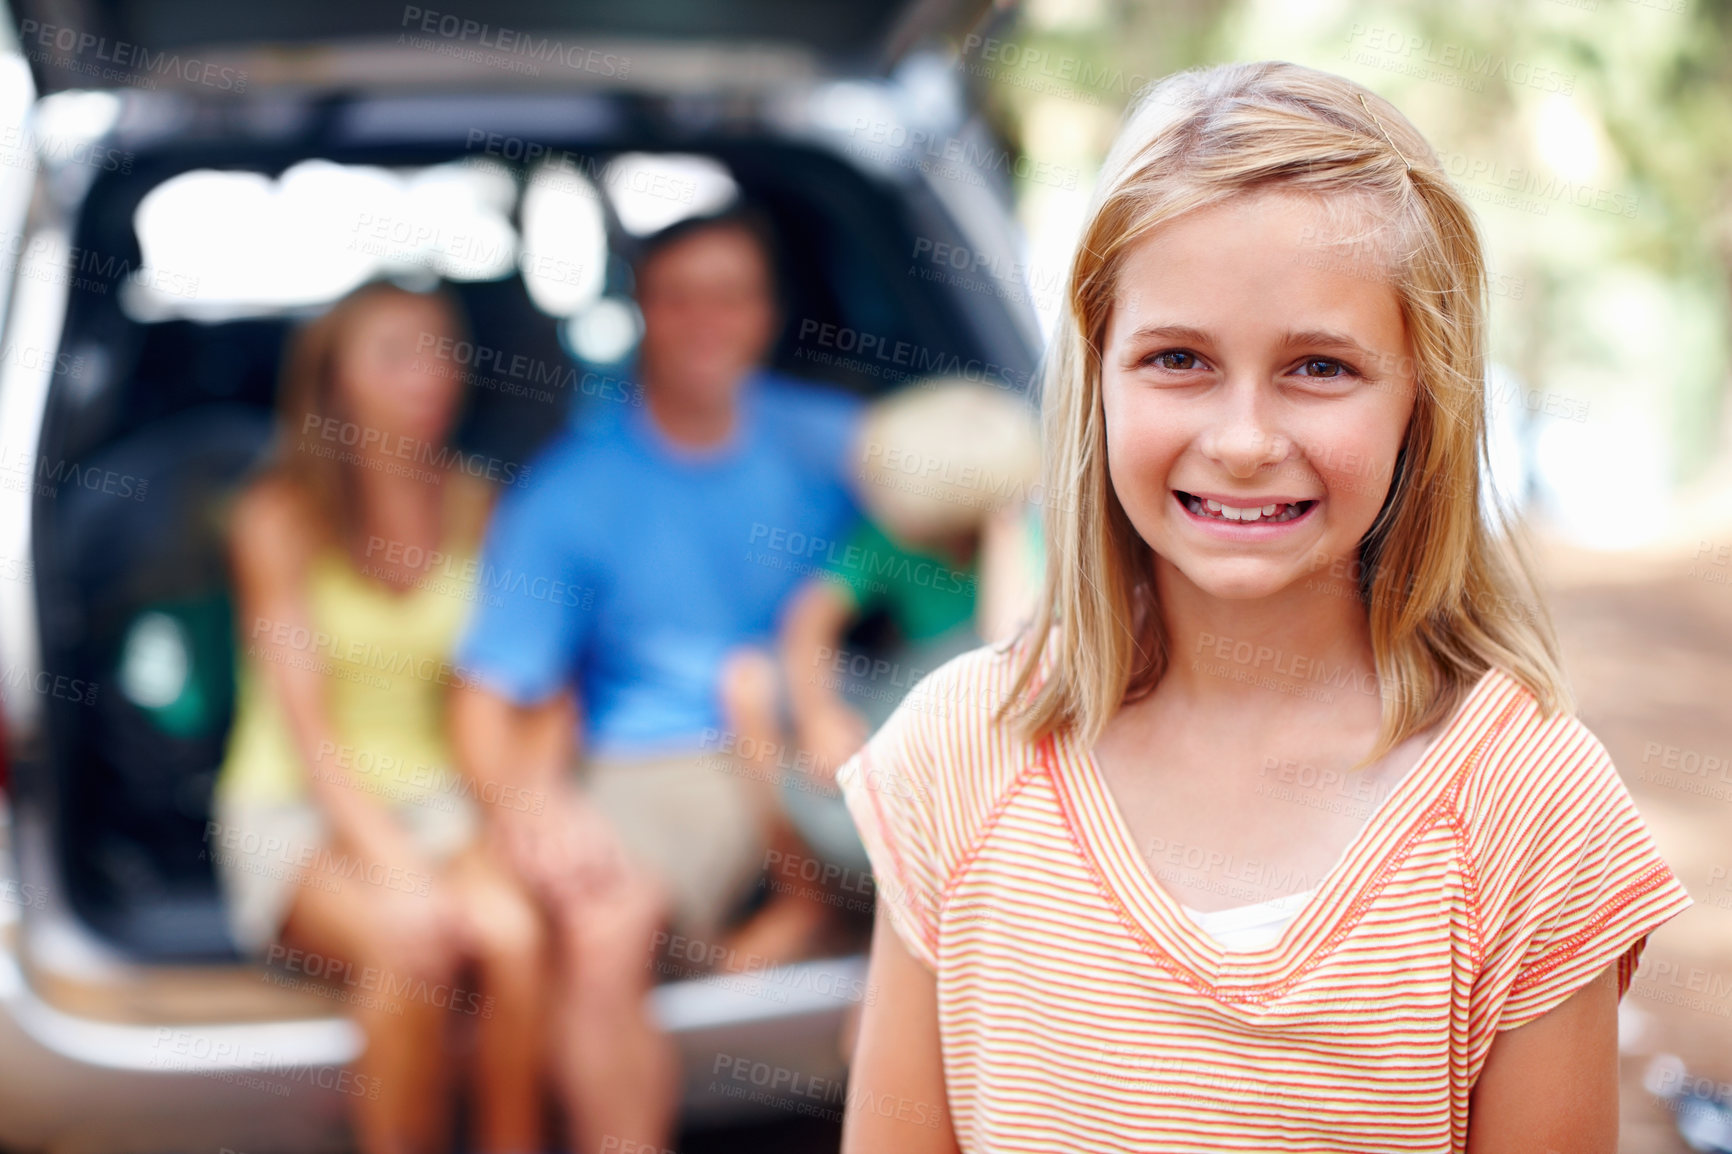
(1247,590)
(1230,581)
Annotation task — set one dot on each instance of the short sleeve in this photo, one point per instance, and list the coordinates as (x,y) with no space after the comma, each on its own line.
(817,423)
(534,601)
(889,788)
(1572,883)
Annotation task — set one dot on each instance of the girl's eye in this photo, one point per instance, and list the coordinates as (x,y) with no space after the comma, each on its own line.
(1325,368)
(1175,359)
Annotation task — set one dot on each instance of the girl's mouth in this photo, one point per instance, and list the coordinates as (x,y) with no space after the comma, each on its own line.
(1271,514)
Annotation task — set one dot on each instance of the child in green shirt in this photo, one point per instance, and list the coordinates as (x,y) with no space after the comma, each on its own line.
(947,557)
(948,478)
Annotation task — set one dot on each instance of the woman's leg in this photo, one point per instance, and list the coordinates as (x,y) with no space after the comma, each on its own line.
(619,1073)
(406,1055)
(509,952)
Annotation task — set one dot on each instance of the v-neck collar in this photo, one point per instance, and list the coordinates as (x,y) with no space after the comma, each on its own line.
(1182,947)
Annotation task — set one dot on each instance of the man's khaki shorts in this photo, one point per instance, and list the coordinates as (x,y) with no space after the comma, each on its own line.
(698,821)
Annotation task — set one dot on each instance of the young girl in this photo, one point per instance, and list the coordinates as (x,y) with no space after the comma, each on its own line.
(1276,830)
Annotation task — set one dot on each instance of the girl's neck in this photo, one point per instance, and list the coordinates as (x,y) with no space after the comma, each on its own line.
(1310,634)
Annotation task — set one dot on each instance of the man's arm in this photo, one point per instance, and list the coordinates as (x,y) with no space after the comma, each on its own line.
(508,749)
(1551,1086)
(518,757)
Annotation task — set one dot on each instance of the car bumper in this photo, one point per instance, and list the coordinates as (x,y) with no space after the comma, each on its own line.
(752,1046)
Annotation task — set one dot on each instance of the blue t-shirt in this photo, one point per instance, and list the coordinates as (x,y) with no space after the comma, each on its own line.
(630,566)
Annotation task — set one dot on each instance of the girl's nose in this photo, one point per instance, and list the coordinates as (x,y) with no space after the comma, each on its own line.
(1242,439)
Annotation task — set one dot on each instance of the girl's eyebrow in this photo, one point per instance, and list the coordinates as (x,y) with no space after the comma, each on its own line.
(1311,338)
(1322,338)
(1183,333)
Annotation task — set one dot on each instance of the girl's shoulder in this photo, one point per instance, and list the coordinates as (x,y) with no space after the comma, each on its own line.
(470,504)
(274,530)
(1563,877)
(950,746)
(923,789)
(1530,770)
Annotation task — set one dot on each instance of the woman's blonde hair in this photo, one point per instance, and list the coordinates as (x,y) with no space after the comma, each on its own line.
(1447,587)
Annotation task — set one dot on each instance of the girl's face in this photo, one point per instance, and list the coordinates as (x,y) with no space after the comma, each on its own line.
(390,378)
(1257,385)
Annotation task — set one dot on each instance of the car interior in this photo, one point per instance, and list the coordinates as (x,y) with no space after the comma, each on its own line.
(134,595)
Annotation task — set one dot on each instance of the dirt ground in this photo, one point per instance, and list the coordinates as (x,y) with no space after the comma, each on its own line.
(1648,645)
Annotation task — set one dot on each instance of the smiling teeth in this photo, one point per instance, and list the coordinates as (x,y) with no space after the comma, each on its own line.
(1274,514)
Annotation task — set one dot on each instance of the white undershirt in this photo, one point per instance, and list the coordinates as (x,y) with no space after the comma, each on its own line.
(1254,927)
(1250,927)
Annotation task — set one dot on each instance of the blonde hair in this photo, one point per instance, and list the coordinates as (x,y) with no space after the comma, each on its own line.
(1449,591)
(939,458)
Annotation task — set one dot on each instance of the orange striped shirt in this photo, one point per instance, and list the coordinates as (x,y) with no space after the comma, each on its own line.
(1081,1009)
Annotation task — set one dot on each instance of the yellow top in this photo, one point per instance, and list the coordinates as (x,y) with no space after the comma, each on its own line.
(387,662)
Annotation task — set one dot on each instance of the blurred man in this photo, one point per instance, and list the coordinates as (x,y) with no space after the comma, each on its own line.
(651,551)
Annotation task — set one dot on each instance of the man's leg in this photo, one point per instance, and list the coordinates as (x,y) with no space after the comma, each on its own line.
(618,1072)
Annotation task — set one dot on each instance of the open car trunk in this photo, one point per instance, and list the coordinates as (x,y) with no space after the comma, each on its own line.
(175,411)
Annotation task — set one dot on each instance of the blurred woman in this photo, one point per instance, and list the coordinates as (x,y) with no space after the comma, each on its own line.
(345,841)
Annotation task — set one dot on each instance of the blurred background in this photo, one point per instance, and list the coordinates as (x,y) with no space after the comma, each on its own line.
(183,183)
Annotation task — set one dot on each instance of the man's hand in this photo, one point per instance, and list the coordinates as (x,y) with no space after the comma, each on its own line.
(566,851)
